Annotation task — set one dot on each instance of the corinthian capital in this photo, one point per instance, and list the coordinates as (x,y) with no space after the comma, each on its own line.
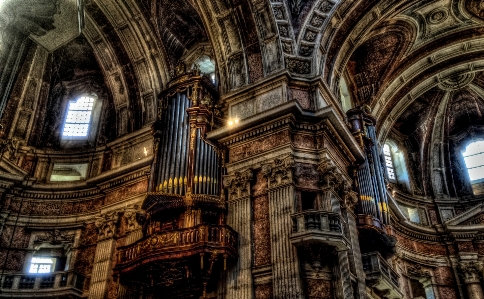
(470,270)
(130,216)
(330,175)
(238,184)
(279,172)
(106,225)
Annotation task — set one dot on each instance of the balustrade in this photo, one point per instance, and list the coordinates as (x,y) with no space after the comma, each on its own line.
(321,227)
(184,239)
(28,283)
(380,274)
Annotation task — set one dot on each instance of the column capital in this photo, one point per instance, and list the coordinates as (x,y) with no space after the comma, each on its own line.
(469,270)
(130,216)
(280,171)
(238,184)
(106,225)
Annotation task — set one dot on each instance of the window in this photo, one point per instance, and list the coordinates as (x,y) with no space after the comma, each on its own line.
(389,162)
(42,265)
(474,159)
(78,117)
(68,172)
(206,66)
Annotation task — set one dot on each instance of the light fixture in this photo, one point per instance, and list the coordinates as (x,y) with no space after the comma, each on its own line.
(232,121)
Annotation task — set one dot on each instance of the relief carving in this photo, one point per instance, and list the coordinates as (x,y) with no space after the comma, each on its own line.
(55,237)
(279,172)
(238,185)
(130,216)
(106,225)
(470,270)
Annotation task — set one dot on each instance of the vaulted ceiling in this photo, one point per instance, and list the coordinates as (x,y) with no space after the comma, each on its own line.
(390,52)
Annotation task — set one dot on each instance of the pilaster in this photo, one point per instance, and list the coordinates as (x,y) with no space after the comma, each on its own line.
(285,264)
(101,271)
(469,270)
(239,217)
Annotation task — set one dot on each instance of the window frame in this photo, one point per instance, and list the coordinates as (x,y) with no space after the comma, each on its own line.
(68,110)
(390,156)
(39,264)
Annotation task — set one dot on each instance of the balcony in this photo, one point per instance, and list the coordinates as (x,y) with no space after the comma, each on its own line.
(66,284)
(178,244)
(319,227)
(380,276)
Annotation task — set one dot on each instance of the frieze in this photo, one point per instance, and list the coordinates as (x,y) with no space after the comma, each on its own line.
(38,208)
(54,237)
(258,146)
(304,141)
(238,184)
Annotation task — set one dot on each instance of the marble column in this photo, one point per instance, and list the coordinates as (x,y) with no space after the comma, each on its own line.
(239,217)
(285,264)
(101,271)
(469,269)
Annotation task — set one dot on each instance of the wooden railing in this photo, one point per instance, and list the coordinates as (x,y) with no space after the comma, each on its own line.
(55,280)
(180,239)
(375,266)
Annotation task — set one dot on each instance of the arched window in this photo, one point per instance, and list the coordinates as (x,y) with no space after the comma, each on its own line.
(389,162)
(78,117)
(474,159)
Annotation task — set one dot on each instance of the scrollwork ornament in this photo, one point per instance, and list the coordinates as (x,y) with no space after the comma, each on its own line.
(238,184)
(469,271)
(106,225)
(130,216)
(280,171)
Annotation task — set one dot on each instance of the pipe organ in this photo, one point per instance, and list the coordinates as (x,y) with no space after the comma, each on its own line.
(185,242)
(376,232)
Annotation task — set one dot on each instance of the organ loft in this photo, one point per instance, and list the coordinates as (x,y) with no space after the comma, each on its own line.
(235,149)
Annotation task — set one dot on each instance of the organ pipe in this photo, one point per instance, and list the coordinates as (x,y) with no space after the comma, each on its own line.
(185,162)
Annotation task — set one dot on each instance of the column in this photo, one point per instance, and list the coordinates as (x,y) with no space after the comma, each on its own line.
(239,217)
(350,200)
(285,264)
(470,273)
(101,270)
(133,233)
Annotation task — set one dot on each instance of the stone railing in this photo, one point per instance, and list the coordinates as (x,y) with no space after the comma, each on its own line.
(216,237)
(377,269)
(322,226)
(55,283)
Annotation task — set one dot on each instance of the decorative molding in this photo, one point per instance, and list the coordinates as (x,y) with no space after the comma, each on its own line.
(238,184)
(279,172)
(106,225)
(470,270)
(130,216)
(54,237)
